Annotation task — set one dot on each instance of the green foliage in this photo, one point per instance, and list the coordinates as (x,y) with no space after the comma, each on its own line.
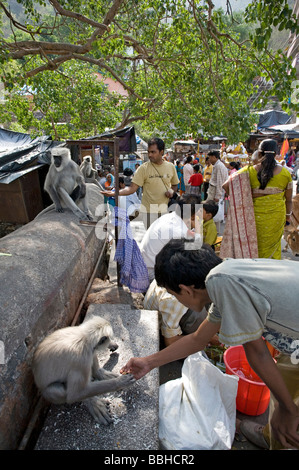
(269,14)
(187,69)
(71,102)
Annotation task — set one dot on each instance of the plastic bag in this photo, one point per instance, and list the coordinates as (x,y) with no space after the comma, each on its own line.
(219,217)
(198,410)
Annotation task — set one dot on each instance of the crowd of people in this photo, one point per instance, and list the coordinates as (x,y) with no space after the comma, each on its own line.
(245,294)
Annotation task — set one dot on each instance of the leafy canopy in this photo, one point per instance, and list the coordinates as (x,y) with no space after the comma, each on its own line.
(186,67)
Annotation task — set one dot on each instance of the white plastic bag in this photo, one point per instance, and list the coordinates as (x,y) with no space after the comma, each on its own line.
(198,410)
(219,217)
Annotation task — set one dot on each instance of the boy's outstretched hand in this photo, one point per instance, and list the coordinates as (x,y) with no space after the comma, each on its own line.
(108,193)
(137,366)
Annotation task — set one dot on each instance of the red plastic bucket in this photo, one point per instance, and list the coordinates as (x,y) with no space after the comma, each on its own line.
(253,395)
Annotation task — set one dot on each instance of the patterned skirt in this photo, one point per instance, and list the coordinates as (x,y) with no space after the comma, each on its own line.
(195,190)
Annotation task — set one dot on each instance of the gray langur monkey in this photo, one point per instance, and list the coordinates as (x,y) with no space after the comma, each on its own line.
(65,184)
(89,173)
(66,369)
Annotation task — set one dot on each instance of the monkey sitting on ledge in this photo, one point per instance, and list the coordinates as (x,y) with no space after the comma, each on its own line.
(66,369)
(89,173)
(65,184)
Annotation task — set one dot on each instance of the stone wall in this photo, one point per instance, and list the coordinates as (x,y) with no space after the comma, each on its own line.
(42,282)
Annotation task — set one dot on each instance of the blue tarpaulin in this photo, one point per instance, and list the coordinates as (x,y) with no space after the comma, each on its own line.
(272,118)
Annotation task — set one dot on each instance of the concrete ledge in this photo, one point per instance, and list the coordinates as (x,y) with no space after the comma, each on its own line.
(42,282)
(135,410)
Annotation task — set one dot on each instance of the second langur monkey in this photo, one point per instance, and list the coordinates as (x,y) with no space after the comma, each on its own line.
(66,369)
(89,173)
(65,184)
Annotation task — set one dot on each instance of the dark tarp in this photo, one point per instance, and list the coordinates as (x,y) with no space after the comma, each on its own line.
(11,140)
(273,118)
(273,133)
(286,133)
(127,139)
(20,154)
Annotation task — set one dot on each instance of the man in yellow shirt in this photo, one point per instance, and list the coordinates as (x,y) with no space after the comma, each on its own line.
(159,181)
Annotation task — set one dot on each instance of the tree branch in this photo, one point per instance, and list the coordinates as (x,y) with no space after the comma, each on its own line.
(24,48)
(102,63)
(12,20)
(83,19)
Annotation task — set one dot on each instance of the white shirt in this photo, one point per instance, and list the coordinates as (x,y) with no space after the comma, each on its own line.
(187,172)
(218,178)
(158,234)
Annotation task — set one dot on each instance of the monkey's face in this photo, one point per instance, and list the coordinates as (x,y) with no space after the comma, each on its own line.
(105,342)
(57,159)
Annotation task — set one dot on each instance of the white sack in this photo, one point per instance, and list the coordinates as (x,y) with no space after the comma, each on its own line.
(219,217)
(198,410)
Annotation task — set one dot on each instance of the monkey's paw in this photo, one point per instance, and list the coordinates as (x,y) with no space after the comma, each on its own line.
(98,408)
(125,381)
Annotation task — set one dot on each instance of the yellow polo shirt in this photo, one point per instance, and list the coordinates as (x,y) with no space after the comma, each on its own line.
(155,181)
(209,232)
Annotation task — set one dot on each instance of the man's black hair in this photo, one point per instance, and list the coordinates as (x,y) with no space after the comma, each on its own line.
(189,159)
(157,141)
(128,172)
(188,205)
(214,153)
(178,263)
(211,207)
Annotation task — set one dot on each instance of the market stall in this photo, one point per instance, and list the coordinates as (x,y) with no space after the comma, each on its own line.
(23,166)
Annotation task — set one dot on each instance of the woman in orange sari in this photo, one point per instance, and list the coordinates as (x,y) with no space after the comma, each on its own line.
(260,206)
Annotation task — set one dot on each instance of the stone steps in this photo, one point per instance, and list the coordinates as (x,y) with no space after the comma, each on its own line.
(135,410)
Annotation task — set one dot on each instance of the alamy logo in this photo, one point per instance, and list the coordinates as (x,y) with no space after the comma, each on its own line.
(106,225)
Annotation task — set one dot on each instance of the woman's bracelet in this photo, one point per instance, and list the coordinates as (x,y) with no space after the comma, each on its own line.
(288,215)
